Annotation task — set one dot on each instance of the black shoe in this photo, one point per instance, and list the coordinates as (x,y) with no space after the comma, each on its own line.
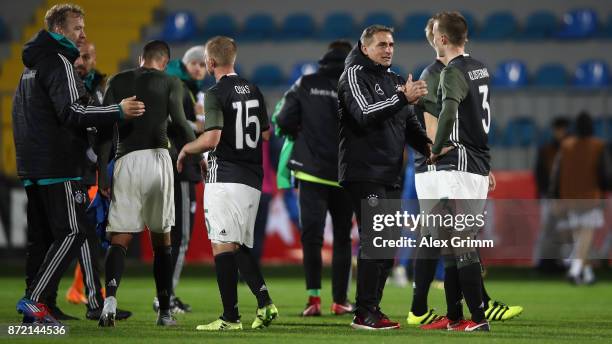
(94,314)
(178,304)
(59,315)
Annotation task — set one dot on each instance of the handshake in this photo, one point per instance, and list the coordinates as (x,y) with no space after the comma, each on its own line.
(413,90)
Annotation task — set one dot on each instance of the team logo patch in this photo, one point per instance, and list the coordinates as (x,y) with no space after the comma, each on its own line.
(379,90)
(223,232)
(373,200)
(79,197)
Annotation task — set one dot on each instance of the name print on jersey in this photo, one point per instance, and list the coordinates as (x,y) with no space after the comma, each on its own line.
(242,89)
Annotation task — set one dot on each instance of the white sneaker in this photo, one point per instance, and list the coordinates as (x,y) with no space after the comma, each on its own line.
(107,318)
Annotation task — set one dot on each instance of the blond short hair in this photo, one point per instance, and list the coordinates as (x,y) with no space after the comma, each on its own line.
(56,15)
(222,50)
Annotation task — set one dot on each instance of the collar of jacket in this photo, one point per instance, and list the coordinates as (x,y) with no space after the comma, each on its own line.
(43,44)
(93,79)
(177,68)
(356,57)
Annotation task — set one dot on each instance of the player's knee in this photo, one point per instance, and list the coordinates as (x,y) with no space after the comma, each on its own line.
(467,259)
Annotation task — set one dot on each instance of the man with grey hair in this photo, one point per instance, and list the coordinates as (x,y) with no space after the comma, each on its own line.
(51,112)
(376,121)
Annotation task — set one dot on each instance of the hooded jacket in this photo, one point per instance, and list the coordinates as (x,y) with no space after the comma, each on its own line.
(191,170)
(376,122)
(51,111)
(309,116)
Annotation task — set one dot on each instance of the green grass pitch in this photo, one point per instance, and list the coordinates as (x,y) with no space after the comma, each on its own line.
(555,312)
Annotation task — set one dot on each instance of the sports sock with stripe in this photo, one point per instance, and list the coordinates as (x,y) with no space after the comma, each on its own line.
(114,265)
(250,271)
(471,286)
(452,290)
(162,270)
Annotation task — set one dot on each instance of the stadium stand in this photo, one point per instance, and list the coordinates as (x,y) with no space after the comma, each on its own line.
(179,27)
(550,75)
(221,24)
(539,25)
(592,74)
(511,74)
(338,25)
(579,23)
(298,26)
(412,27)
(257,27)
(498,26)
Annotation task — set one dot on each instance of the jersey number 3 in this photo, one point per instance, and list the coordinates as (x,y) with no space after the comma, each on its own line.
(241,135)
(486,121)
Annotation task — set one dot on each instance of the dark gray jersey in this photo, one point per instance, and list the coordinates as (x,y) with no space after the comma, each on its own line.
(237,107)
(467,81)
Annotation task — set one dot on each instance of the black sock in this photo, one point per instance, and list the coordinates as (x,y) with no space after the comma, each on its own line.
(471,285)
(227,279)
(485,296)
(114,265)
(452,292)
(162,270)
(424,272)
(249,270)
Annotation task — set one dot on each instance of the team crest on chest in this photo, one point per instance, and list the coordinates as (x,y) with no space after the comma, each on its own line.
(379,90)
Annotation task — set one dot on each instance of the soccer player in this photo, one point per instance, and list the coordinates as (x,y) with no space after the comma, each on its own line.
(236,121)
(309,116)
(142,185)
(375,124)
(461,156)
(425,178)
(191,70)
(51,112)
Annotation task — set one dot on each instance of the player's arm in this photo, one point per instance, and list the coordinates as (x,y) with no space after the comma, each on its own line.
(454,90)
(212,131)
(289,116)
(177,112)
(360,102)
(429,104)
(71,104)
(416,136)
(266,130)
(104,146)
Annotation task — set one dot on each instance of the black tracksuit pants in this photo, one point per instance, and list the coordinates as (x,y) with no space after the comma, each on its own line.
(372,274)
(56,231)
(315,200)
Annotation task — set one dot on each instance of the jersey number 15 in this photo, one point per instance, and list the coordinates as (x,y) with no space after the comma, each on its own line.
(241,135)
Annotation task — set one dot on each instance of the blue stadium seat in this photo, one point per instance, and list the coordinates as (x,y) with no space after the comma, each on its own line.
(258,27)
(498,26)
(510,74)
(219,25)
(267,75)
(551,75)
(338,25)
(302,68)
(298,26)
(592,74)
(603,127)
(493,134)
(471,23)
(413,27)
(605,30)
(382,18)
(520,132)
(540,25)
(179,26)
(577,24)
